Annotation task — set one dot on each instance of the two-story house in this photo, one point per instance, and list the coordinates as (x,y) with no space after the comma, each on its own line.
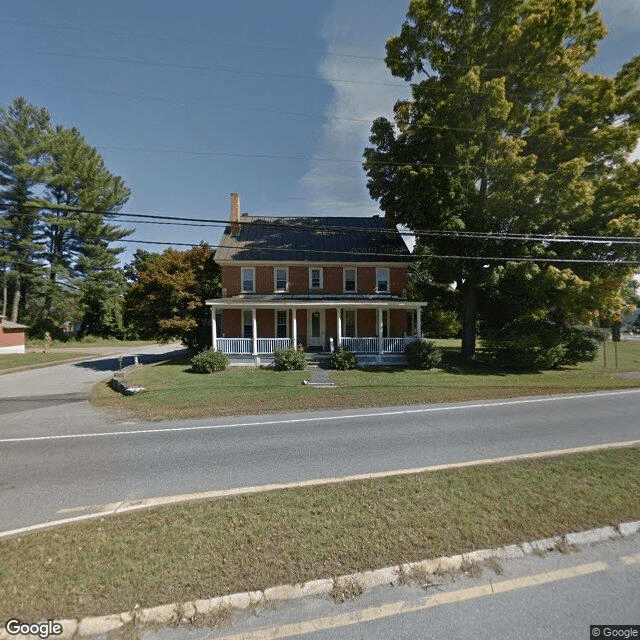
(319,282)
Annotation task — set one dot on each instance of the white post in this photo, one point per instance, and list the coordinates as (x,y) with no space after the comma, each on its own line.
(339,326)
(294,327)
(254,332)
(214,330)
(380,328)
(419,321)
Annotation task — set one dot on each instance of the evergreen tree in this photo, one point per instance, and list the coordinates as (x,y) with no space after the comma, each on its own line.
(56,196)
(24,131)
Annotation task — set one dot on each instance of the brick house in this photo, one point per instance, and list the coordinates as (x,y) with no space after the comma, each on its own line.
(319,282)
(13,336)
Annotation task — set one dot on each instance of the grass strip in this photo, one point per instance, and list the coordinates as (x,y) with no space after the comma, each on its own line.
(33,359)
(209,548)
(173,392)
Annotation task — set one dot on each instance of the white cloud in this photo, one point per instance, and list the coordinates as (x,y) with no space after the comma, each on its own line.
(360,28)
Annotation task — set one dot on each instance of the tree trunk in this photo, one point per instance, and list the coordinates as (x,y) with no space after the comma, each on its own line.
(16,300)
(469,320)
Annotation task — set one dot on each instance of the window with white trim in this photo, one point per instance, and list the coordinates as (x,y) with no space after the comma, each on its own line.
(350,280)
(350,323)
(382,280)
(248,280)
(280,279)
(315,278)
(282,324)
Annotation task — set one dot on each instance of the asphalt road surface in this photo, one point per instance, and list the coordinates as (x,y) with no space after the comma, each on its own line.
(71,461)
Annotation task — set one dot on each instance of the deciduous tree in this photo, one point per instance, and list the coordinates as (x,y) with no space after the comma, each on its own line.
(166,301)
(506,133)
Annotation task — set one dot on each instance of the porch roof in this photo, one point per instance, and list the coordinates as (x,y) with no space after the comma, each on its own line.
(279,302)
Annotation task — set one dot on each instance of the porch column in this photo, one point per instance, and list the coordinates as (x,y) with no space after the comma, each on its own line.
(254,332)
(419,321)
(214,330)
(339,326)
(294,327)
(380,330)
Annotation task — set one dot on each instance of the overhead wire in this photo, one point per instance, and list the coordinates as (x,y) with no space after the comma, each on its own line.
(285,221)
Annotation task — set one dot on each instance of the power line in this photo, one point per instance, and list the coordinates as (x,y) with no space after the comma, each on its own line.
(341,118)
(411,258)
(285,221)
(258,47)
(189,67)
(215,43)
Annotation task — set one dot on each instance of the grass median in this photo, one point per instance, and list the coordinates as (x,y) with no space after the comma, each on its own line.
(208,548)
(172,391)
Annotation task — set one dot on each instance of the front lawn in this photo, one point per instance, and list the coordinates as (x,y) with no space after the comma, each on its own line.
(172,391)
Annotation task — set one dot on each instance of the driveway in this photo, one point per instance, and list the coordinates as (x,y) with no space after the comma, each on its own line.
(56,397)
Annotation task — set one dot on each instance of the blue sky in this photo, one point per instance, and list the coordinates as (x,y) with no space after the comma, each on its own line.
(191,100)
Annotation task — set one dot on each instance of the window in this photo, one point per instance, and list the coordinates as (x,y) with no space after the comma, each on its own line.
(247,324)
(280,279)
(248,280)
(350,283)
(382,280)
(315,278)
(350,323)
(282,324)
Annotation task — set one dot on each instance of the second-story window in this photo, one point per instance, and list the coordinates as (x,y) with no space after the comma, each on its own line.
(350,283)
(315,278)
(382,280)
(248,280)
(280,279)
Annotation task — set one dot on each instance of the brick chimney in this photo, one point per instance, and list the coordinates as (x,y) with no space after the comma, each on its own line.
(235,213)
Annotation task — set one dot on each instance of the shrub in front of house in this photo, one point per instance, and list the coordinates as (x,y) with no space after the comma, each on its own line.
(343,359)
(288,360)
(541,344)
(423,354)
(582,346)
(208,361)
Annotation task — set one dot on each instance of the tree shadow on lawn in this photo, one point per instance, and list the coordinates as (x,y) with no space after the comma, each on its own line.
(115,363)
(454,363)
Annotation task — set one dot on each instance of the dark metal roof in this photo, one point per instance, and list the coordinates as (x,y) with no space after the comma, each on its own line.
(312,239)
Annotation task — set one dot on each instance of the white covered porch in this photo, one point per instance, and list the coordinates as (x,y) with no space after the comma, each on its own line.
(258,345)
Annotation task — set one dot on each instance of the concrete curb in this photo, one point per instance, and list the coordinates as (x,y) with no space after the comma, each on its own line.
(177,613)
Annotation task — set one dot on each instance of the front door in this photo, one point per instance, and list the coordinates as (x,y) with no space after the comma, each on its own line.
(315,328)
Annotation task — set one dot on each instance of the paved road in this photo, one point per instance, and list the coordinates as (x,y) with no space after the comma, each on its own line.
(100,463)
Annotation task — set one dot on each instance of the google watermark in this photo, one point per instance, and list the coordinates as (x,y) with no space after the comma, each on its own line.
(41,629)
(615,631)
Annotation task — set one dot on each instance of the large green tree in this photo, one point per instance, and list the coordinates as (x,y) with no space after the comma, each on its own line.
(166,299)
(56,195)
(23,133)
(507,133)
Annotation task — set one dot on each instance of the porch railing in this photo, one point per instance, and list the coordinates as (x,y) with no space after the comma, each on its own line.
(371,345)
(243,346)
(268,345)
(234,346)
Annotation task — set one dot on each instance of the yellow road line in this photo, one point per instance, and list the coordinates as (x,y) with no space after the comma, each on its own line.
(633,559)
(400,607)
